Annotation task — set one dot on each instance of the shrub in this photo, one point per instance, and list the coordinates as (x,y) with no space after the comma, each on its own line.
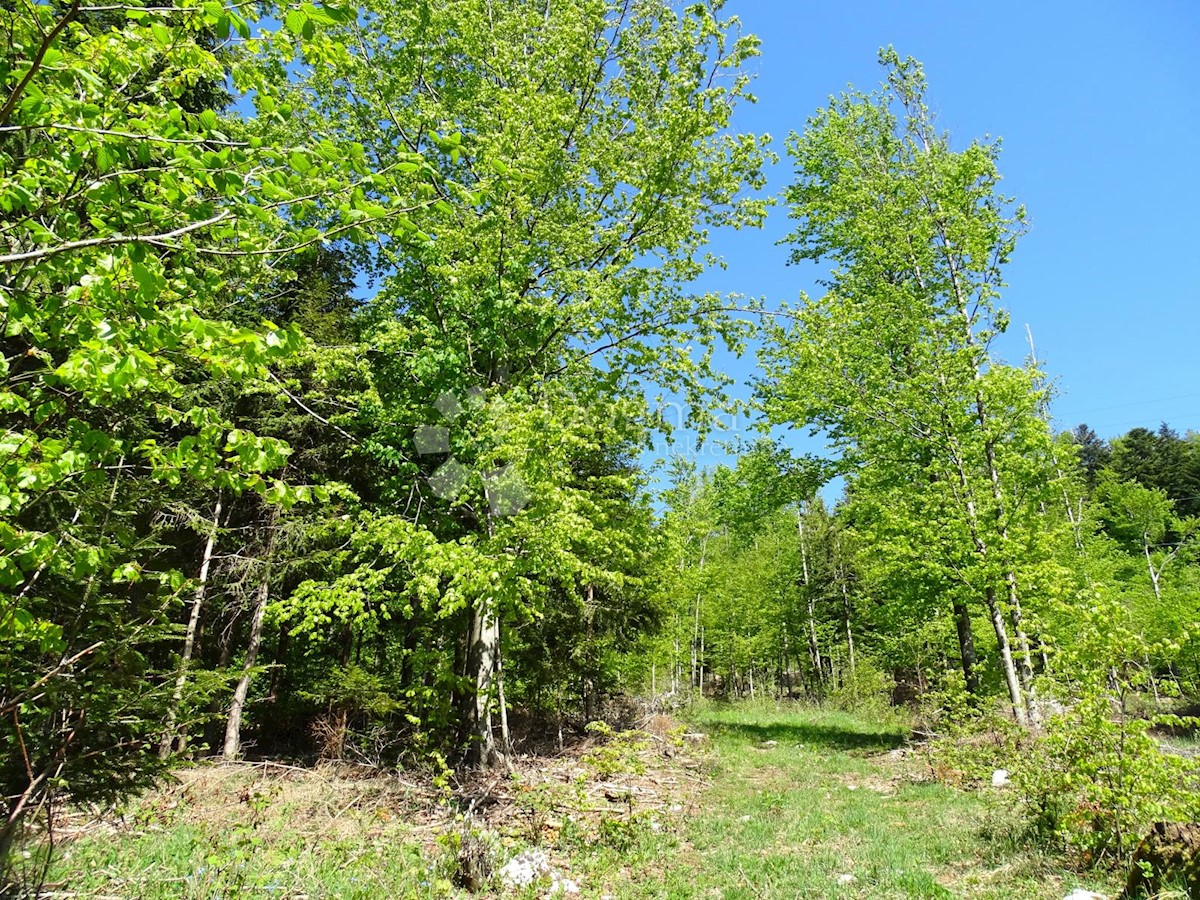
(1097,780)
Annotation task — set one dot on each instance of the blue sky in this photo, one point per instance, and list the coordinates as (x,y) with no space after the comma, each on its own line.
(1098,105)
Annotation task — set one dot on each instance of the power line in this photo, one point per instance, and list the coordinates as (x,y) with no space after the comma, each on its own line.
(1141,402)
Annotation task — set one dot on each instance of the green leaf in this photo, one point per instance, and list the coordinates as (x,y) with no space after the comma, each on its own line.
(295,21)
(299,162)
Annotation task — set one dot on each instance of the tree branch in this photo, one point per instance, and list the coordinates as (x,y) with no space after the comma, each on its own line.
(112,240)
(11,104)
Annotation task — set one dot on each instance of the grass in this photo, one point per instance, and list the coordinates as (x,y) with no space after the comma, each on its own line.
(814,804)
(782,803)
(223,833)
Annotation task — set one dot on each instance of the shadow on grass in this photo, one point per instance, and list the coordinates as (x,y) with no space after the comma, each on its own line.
(809,733)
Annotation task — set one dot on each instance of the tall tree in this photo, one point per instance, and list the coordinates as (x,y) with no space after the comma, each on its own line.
(894,362)
(591,140)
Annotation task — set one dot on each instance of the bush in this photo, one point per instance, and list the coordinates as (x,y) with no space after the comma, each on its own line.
(1097,780)
(868,689)
(967,741)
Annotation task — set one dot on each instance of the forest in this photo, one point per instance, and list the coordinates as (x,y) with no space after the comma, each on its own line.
(336,341)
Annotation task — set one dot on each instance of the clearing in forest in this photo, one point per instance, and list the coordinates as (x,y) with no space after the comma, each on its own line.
(820,803)
(774,802)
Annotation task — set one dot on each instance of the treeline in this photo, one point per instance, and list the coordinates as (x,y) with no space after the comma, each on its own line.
(775,594)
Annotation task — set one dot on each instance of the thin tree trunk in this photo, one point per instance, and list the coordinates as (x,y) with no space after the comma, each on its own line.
(675,669)
(1151,569)
(189,641)
(559,717)
(505,737)
(787,665)
(233,727)
(695,641)
(1015,694)
(847,606)
(848,610)
(814,648)
(481,663)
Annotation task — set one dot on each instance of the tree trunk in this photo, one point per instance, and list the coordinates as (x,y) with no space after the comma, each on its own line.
(695,642)
(966,647)
(848,610)
(814,648)
(481,665)
(1151,569)
(233,727)
(169,737)
(1015,694)
(279,669)
(675,670)
(505,736)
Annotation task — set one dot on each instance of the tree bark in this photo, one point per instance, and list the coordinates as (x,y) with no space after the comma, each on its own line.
(505,736)
(1011,680)
(814,648)
(848,612)
(170,737)
(966,647)
(233,727)
(482,752)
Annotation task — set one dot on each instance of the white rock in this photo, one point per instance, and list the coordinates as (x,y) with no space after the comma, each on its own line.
(846,878)
(1081,894)
(525,868)
(744,819)
(563,886)
(1000,778)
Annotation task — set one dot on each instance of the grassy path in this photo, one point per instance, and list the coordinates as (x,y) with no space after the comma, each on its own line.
(793,804)
(812,804)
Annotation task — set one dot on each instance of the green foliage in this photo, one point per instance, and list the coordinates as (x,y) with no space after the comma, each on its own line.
(619,754)
(332,337)
(869,688)
(136,214)
(1099,779)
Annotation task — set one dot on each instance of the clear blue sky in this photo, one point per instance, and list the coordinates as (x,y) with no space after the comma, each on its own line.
(1098,105)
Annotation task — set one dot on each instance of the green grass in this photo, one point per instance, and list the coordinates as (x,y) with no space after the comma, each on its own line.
(828,801)
(792,800)
(225,834)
